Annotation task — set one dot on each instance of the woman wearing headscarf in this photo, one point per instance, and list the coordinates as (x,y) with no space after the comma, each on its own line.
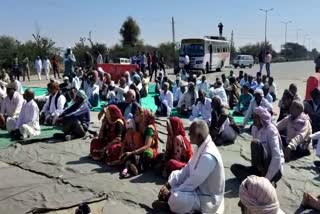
(140,159)
(178,148)
(257,195)
(267,157)
(112,132)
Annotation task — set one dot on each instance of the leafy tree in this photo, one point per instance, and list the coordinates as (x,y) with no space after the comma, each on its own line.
(294,51)
(130,32)
(314,53)
(254,49)
(8,48)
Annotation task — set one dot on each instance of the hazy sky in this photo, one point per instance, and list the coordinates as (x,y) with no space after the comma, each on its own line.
(66,21)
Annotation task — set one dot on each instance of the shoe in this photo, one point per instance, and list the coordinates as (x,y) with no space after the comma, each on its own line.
(317,163)
(160,205)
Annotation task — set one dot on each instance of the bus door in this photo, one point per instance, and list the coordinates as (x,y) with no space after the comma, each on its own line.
(210,56)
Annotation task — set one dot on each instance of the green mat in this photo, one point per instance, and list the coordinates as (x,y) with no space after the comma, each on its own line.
(46,132)
(239,119)
(37,90)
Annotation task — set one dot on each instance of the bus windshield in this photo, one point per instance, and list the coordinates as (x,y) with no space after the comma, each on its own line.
(192,50)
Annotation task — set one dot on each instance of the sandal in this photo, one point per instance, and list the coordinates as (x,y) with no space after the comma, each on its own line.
(124,173)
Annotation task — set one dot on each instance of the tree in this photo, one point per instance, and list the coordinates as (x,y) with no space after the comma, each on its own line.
(8,48)
(130,32)
(294,51)
(314,53)
(255,49)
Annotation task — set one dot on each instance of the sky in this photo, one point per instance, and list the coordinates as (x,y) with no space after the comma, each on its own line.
(65,21)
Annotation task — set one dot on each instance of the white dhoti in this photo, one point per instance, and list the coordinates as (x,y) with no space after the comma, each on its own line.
(39,73)
(29,130)
(11,124)
(189,202)
(47,72)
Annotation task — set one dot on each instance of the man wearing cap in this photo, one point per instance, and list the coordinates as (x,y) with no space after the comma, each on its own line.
(164,101)
(10,107)
(76,118)
(179,92)
(54,105)
(27,125)
(187,100)
(258,100)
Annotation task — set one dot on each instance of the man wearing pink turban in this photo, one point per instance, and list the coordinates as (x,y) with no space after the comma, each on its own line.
(267,157)
(257,195)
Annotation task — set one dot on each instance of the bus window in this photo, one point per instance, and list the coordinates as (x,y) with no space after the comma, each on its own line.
(218,50)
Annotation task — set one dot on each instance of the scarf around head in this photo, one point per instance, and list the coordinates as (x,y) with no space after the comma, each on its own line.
(264,115)
(178,129)
(258,195)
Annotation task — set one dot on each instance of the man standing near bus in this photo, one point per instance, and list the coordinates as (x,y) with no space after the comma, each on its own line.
(220,26)
(186,65)
(268,62)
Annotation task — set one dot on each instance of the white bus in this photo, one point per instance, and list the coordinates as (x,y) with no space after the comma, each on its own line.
(207,54)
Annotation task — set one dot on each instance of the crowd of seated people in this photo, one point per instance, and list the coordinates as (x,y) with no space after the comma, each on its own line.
(128,136)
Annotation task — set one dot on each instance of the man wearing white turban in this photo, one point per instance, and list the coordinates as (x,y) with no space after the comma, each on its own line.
(267,157)
(257,195)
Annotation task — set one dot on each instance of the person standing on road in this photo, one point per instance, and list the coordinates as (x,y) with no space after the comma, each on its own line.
(268,62)
(47,67)
(154,66)
(99,58)
(26,69)
(149,60)
(55,67)
(317,62)
(38,66)
(69,60)
(143,62)
(261,60)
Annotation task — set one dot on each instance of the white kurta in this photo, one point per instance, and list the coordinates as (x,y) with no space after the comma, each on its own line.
(53,110)
(92,90)
(28,121)
(220,92)
(167,100)
(120,93)
(202,110)
(76,83)
(199,186)
(38,65)
(12,107)
(186,99)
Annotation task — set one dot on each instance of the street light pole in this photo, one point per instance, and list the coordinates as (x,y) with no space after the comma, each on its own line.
(299,29)
(265,28)
(286,28)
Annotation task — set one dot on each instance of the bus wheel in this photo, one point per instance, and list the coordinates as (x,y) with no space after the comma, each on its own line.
(205,71)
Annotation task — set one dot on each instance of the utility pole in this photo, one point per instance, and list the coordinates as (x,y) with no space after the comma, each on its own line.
(265,28)
(173,40)
(299,29)
(286,28)
(304,39)
(231,47)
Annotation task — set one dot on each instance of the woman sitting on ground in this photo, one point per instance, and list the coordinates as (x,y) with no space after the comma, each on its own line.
(111,134)
(178,148)
(141,158)
(223,129)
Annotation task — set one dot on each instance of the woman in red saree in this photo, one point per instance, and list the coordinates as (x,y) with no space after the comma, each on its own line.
(178,148)
(108,144)
(141,153)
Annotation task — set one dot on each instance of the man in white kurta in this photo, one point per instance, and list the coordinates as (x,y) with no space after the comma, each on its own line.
(199,186)
(164,101)
(54,105)
(27,125)
(38,66)
(203,108)
(47,67)
(11,107)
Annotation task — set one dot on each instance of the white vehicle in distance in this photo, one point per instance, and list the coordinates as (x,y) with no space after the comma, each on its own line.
(205,54)
(243,61)
(123,61)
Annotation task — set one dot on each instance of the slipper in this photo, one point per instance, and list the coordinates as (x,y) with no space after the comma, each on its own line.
(124,173)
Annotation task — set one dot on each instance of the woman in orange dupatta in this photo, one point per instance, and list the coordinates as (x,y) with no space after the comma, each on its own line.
(108,144)
(142,156)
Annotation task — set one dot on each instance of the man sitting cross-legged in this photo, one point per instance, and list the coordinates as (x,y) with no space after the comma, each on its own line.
(297,129)
(199,186)
(76,118)
(27,124)
(266,150)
